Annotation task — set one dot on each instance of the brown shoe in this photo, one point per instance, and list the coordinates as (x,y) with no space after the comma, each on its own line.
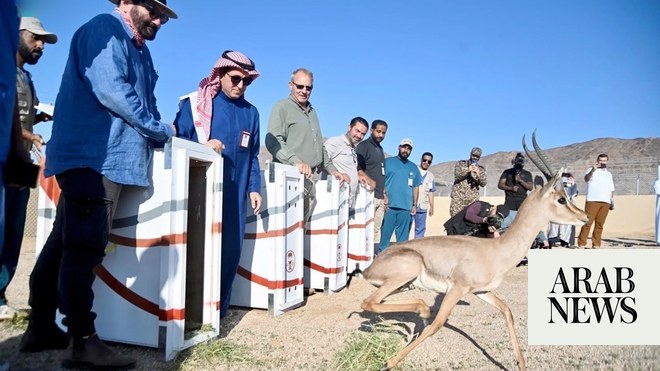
(93,354)
(38,338)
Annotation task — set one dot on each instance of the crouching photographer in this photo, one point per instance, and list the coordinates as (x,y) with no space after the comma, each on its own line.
(479,219)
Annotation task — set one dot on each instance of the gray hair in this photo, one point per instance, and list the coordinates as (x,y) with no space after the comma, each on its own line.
(303,70)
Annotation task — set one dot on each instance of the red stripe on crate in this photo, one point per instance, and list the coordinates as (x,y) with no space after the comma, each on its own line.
(362,258)
(137,300)
(216,228)
(50,187)
(167,240)
(274,233)
(273,285)
(322,269)
(314,232)
(354,226)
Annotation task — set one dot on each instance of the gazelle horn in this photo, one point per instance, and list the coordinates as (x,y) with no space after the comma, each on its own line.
(539,164)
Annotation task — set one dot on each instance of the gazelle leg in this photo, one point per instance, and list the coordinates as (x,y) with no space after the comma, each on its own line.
(373,303)
(493,300)
(448,303)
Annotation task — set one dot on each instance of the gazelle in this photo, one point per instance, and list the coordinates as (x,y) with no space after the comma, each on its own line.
(458,265)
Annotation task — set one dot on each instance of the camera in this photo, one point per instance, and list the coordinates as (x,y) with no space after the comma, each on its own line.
(494,221)
(564,180)
(602,166)
(474,162)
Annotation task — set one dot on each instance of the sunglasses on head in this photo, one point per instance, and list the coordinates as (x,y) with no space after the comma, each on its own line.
(235,79)
(301,87)
(155,13)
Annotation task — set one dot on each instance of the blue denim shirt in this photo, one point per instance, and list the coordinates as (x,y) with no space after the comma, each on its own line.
(105,113)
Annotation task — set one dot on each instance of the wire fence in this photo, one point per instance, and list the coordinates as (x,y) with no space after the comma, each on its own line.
(630,178)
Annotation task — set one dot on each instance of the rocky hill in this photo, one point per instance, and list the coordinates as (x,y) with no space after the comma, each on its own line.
(633,162)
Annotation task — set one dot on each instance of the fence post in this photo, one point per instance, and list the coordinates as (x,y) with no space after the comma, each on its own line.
(637,186)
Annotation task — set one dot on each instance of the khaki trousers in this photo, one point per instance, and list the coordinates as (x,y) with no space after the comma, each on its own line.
(597,213)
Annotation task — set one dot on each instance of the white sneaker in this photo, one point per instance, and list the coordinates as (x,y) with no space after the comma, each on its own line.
(7,312)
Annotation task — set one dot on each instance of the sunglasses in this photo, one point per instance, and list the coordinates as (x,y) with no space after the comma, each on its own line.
(301,87)
(155,13)
(235,79)
(427,161)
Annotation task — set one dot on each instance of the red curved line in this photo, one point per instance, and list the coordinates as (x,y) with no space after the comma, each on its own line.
(314,232)
(167,240)
(323,269)
(273,285)
(137,300)
(274,233)
(363,258)
(353,226)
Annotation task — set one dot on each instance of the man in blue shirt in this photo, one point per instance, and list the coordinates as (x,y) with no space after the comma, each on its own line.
(218,115)
(402,178)
(103,138)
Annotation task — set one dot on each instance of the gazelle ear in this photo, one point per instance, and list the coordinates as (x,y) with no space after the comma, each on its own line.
(554,184)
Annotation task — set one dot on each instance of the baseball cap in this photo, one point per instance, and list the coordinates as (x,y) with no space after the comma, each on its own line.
(476,151)
(161,4)
(34,25)
(406,142)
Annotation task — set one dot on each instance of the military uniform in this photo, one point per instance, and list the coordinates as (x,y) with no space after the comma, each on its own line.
(466,187)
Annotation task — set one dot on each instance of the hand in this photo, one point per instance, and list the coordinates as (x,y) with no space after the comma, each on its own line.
(341,177)
(367,182)
(514,188)
(255,201)
(430,210)
(517,178)
(304,169)
(45,117)
(492,229)
(413,210)
(386,202)
(38,141)
(216,145)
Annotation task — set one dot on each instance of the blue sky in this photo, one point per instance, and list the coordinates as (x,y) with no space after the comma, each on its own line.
(450,75)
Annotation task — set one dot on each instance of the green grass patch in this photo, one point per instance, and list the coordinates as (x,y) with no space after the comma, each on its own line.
(369,351)
(211,353)
(18,321)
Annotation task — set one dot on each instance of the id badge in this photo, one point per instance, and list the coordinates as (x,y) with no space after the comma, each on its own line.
(410,180)
(382,168)
(245,139)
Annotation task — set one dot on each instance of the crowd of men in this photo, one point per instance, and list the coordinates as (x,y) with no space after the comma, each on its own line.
(106,125)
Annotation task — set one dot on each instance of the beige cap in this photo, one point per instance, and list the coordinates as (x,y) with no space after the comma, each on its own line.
(34,25)
(406,142)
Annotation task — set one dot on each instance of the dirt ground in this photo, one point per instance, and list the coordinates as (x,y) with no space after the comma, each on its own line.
(307,338)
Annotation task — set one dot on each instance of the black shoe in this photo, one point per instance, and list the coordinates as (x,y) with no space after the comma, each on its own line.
(522,262)
(92,354)
(38,338)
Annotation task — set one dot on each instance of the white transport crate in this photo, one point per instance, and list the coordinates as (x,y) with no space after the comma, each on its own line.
(361,231)
(161,273)
(326,237)
(270,272)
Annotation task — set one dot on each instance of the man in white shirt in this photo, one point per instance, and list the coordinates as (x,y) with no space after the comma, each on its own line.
(426,194)
(600,200)
(341,150)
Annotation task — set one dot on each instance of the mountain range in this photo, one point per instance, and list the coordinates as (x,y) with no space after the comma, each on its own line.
(633,163)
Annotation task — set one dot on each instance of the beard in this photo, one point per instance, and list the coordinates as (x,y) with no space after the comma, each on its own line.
(404,155)
(376,139)
(143,24)
(30,56)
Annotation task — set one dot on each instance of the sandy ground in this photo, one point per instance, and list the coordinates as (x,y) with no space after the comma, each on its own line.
(307,338)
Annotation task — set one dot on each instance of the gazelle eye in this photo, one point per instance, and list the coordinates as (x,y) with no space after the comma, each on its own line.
(562,200)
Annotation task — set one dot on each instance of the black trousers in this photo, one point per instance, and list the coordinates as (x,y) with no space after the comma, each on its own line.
(64,272)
